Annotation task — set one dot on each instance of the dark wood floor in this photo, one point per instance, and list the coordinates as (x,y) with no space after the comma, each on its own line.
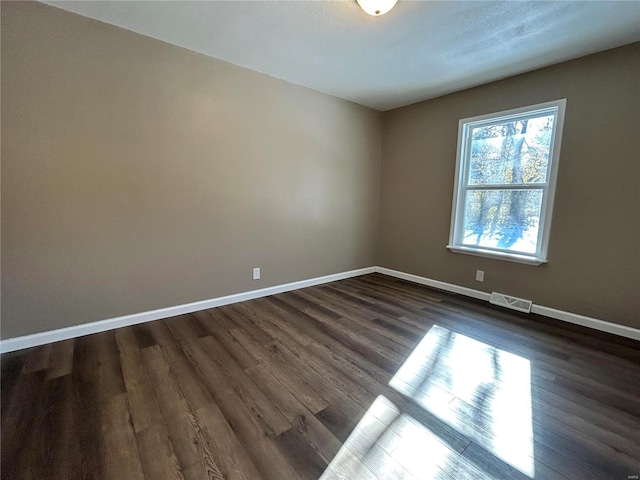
(366,378)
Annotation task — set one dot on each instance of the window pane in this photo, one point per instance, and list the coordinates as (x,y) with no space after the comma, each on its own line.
(504,219)
(511,152)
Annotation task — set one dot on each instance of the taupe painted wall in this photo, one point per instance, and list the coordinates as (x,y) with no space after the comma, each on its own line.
(594,249)
(137,175)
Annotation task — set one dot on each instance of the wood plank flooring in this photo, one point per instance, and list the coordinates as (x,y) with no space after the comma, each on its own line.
(365,378)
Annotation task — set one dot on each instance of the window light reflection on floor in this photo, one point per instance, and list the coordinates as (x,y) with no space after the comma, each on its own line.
(390,444)
(479,390)
(489,392)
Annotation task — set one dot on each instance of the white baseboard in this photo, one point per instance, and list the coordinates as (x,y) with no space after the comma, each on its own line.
(594,323)
(28,341)
(448,287)
(621,330)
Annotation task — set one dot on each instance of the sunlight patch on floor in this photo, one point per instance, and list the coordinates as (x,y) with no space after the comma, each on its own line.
(490,392)
(388,443)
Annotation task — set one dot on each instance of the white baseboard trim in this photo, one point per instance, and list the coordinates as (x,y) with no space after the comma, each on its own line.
(448,287)
(594,323)
(28,341)
(621,330)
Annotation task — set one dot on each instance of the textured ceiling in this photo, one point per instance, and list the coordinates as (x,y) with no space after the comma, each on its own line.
(419,50)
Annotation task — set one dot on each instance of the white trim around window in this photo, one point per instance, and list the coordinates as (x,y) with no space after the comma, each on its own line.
(480,174)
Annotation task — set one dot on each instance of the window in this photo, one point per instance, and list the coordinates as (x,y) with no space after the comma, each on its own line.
(505,182)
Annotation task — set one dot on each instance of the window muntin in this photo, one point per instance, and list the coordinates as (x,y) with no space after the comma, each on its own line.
(506,169)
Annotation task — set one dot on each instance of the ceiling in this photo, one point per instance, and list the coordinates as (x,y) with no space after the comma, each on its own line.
(419,50)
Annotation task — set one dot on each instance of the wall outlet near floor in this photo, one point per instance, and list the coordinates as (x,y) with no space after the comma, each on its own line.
(256,274)
(480,275)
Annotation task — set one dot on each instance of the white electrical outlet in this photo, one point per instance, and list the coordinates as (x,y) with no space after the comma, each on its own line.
(480,275)
(256,274)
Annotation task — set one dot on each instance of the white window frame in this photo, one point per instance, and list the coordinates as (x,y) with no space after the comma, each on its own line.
(465,126)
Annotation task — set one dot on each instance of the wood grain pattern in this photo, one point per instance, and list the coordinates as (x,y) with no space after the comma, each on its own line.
(121,455)
(338,381)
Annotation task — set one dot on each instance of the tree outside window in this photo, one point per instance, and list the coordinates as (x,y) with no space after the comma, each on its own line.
(506,170)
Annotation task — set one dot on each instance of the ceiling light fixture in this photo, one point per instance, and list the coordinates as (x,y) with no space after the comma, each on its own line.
(376,7)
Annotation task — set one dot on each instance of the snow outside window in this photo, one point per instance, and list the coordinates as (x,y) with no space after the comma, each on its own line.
(505,182)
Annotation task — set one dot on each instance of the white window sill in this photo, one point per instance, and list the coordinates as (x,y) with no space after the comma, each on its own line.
(509,257)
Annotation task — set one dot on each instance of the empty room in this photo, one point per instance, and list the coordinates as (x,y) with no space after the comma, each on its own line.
(320,240)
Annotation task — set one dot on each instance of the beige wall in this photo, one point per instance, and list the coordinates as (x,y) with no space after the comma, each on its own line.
(137,175)
(594,249)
